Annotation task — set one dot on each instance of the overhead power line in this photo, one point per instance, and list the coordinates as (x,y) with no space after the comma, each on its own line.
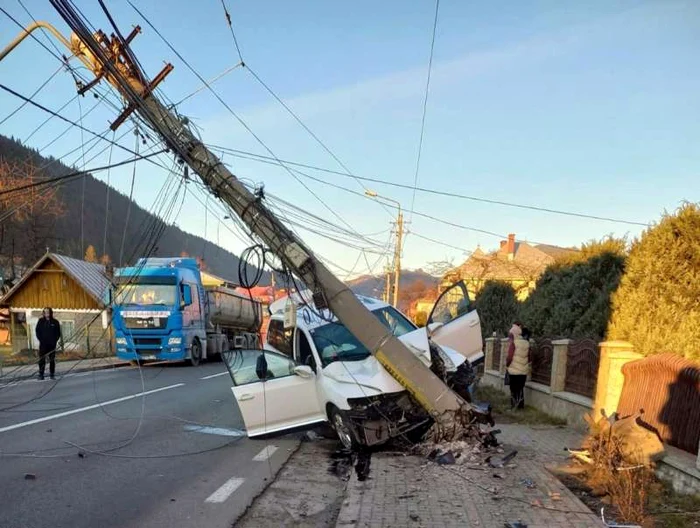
(237,117)
(77,174)
(272,161)
(65,119)
(288,109)
(425,105)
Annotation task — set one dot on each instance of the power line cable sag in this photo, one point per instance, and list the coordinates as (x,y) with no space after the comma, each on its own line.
(236,116)
(425,105)
(251,156)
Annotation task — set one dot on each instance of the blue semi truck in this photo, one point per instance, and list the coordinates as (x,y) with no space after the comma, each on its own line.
(162,311)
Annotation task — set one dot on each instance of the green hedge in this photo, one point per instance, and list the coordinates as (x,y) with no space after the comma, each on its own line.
(497,305)
(657,307)
(573,299)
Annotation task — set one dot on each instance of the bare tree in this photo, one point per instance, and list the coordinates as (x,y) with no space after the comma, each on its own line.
(29,212)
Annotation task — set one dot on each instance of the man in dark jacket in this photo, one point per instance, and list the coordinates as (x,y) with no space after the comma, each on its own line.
(48,332)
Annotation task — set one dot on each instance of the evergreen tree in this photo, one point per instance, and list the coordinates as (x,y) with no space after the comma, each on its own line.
(657,307)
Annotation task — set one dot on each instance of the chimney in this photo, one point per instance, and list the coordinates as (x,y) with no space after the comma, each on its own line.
(503,243)
(511,246)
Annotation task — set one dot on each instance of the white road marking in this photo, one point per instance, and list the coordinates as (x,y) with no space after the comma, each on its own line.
(220,431)
(214,375)
(88,408)
(225,491)
(265,453)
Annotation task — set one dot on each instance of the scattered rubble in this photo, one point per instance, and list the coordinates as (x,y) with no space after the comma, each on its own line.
(497,462)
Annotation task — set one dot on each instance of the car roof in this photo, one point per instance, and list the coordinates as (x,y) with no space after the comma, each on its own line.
(309,316)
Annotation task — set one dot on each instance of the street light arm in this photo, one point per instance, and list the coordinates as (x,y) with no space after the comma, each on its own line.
(28,31)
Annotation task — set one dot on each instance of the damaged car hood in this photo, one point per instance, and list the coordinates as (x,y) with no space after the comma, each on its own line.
(368,373)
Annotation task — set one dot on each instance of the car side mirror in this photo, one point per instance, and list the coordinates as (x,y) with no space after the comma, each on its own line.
(303,371)
(433,327)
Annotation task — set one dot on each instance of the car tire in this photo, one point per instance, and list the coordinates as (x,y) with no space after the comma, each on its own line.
(195,353)
(344,429)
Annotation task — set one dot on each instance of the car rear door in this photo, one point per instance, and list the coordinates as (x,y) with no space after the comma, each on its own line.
(455,323)
(277,400)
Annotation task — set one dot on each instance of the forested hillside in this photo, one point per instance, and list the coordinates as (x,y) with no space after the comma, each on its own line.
(52,219)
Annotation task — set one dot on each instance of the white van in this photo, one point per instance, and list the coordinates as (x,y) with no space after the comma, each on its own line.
(319,372)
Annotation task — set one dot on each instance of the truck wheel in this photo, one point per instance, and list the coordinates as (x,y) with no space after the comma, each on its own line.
(345,429)
(195,353)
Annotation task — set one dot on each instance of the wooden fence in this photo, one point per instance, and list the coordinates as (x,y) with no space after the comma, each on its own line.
(667,388)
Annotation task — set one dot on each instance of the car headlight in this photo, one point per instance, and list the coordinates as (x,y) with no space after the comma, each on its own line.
(175,341)
(121,340)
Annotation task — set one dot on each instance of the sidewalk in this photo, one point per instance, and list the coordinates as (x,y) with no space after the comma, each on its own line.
(412,491)
(20,372)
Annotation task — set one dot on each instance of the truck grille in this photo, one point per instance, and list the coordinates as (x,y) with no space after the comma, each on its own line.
(153,341)
(145,322)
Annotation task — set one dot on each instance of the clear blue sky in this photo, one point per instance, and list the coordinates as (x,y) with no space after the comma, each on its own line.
(590,107)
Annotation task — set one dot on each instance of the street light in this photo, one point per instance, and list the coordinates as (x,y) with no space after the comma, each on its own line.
(399,235)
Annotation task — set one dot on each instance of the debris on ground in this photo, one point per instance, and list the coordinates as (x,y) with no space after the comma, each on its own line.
(447,458)
(498,462)
(613,524)
(29,476)
(637,444)
(461,452)
(554,495)
(528,483)
(515,524)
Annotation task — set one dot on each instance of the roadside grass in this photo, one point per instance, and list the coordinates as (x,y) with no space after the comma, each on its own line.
(500,403)
(670,509)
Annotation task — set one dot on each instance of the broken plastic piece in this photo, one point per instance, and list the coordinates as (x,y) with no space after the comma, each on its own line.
(613,524)
(497,462)
(447,458)
(528,483)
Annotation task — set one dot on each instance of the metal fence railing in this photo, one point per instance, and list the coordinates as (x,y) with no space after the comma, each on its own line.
(583,358)
(541,352)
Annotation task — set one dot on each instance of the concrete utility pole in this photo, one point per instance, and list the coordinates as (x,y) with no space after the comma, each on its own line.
(397,256)
(387,287)
(397,247)
(111,59)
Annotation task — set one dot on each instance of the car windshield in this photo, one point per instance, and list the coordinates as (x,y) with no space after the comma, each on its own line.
(334,342)
(146,294)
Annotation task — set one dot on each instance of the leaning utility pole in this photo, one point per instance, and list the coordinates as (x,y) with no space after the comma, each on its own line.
(111,59)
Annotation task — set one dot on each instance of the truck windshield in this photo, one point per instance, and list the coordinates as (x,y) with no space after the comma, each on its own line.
(146,294)
(334,342)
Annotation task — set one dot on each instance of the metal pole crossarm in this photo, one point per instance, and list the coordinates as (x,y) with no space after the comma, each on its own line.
(428,390)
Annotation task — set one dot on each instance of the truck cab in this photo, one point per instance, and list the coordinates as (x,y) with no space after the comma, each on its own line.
(158,311)
(316,371)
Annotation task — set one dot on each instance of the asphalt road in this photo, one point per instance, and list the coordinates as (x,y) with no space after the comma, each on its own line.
(90,450)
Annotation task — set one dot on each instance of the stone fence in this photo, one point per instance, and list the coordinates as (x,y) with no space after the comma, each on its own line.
(569,379)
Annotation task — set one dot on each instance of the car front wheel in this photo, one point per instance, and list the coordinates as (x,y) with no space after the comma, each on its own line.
(344,428)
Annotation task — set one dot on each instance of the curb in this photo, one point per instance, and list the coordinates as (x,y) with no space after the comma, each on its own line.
(22,377)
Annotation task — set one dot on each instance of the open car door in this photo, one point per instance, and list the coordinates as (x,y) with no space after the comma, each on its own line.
(455,323)
(273,393)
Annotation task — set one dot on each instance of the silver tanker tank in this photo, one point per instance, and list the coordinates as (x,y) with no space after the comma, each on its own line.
(230,309)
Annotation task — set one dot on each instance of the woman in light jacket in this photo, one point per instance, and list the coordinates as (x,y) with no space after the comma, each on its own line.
(518,366)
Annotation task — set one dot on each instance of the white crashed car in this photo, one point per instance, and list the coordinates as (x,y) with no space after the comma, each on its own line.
(319,372)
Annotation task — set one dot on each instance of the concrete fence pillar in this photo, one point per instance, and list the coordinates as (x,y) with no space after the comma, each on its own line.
(504,355)
(488,353)
(560,353)
(613,356)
